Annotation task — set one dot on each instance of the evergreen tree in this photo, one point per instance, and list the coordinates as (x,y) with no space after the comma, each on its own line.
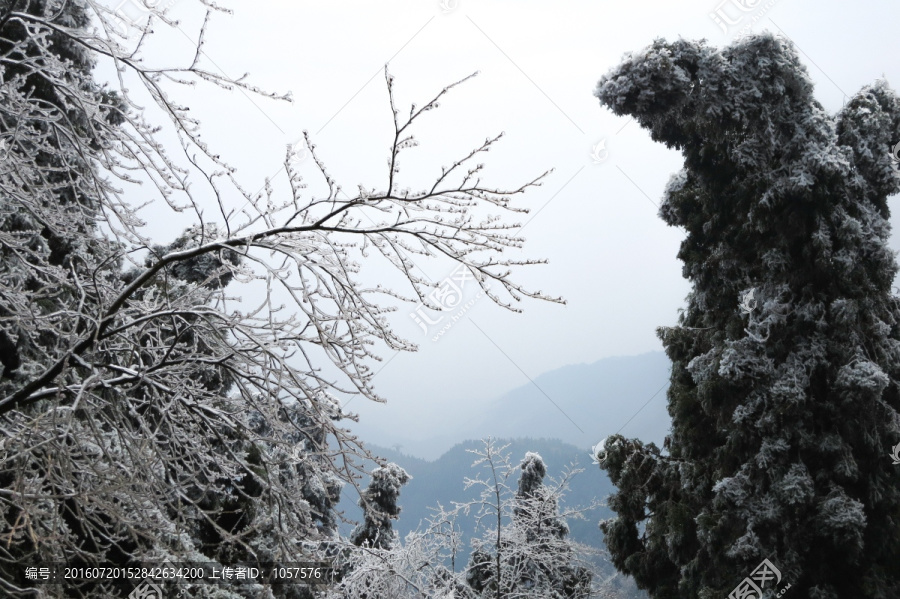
(379,504)
(532,555)
(784,390)
(49,214)
(536,513)
(368,568)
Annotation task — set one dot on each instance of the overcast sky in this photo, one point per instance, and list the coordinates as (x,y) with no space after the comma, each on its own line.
(595,218)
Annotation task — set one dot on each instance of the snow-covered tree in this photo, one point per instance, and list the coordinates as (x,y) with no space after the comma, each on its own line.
(784,390)
(537,513)
(142,414)
(414,568)
(379,504)
(365,568)
(525,550)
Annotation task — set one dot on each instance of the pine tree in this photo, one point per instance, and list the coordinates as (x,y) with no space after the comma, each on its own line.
(784,390)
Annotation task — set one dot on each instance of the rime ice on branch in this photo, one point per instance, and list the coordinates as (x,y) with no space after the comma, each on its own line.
(142,413)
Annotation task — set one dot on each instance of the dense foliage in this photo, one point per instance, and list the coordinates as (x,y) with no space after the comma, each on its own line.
(786,362)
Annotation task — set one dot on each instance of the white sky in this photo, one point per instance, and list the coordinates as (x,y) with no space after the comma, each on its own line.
(610,255)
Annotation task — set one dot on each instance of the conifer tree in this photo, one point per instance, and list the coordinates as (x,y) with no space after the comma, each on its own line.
(784,390)
(531,556)
(380,506)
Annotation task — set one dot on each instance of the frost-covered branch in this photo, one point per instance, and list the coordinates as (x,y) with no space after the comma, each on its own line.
(142,413)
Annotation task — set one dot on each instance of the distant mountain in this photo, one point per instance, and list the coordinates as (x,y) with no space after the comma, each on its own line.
(579,404)
(584,403)
(442,480)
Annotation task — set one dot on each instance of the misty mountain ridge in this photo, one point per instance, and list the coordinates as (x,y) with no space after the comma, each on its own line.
(579,404)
